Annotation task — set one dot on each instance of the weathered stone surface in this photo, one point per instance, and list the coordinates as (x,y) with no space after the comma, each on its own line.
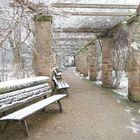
(81,62)
(86,63)
(134,63)
(106,60)
(43,58)
(92,74)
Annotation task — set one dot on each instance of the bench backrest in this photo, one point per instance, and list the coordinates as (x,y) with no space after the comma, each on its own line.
(19,97)
(57,73)
(57,79)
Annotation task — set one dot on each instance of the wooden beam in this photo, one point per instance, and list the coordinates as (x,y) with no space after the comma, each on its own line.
(70,45)
(80,30)
(67,53)
(95,13)
(67,48)
(102,6)
(72,39)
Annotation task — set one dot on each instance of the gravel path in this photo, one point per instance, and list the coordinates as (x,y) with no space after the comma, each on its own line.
(90,113)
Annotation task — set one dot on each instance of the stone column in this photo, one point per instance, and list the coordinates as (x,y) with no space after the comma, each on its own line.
(134,76)
(107,44)
(43,58)
(78,60)
(134,63)
(92,69)
(84,63)
(74,63)
(92,63)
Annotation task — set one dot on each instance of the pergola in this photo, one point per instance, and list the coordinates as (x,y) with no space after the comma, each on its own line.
(99,36)
(72,19)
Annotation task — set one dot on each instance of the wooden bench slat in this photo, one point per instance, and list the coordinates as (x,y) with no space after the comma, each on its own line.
(27,111)
(59,74)
(62,84)
(66,85)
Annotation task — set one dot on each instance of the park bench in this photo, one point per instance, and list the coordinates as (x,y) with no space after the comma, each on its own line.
(36,93)
(60,86)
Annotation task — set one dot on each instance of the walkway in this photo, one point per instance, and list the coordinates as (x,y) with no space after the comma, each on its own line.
(90,113)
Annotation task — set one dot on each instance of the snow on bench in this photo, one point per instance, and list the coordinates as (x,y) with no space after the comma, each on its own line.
(16,93)
(27,111)
(13,85)
(16,98)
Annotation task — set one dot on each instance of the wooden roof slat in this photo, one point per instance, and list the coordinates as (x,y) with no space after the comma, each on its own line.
(102,6)
(95,13)
(72,39)
(68,45)
(57,48)
(80,30)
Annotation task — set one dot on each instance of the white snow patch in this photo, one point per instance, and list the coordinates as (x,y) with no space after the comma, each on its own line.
(129,110)
(122,92)
(135,130)
(135,45)
(82,75)
(87,77)
(134,126)
(98,82)
(123,87)
(19,82)
(99,75)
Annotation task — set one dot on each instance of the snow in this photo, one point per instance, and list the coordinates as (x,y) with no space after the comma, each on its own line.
(123,87)
(20,82)
(18,115)
(87,77)
(90,1)
(134,126)
(98,82)
(24,95)
(18,92)
(99,75)
(122,92)
(135,45)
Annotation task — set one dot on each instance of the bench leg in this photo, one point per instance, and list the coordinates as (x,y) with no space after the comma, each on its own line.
(45,97)
(66,91)
(26,127)
(5,125)
(4,113)
(60,106)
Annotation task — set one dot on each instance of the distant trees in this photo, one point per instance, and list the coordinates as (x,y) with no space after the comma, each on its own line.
(16,40)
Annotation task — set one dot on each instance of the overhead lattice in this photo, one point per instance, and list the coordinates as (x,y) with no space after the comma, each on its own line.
(74,20)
